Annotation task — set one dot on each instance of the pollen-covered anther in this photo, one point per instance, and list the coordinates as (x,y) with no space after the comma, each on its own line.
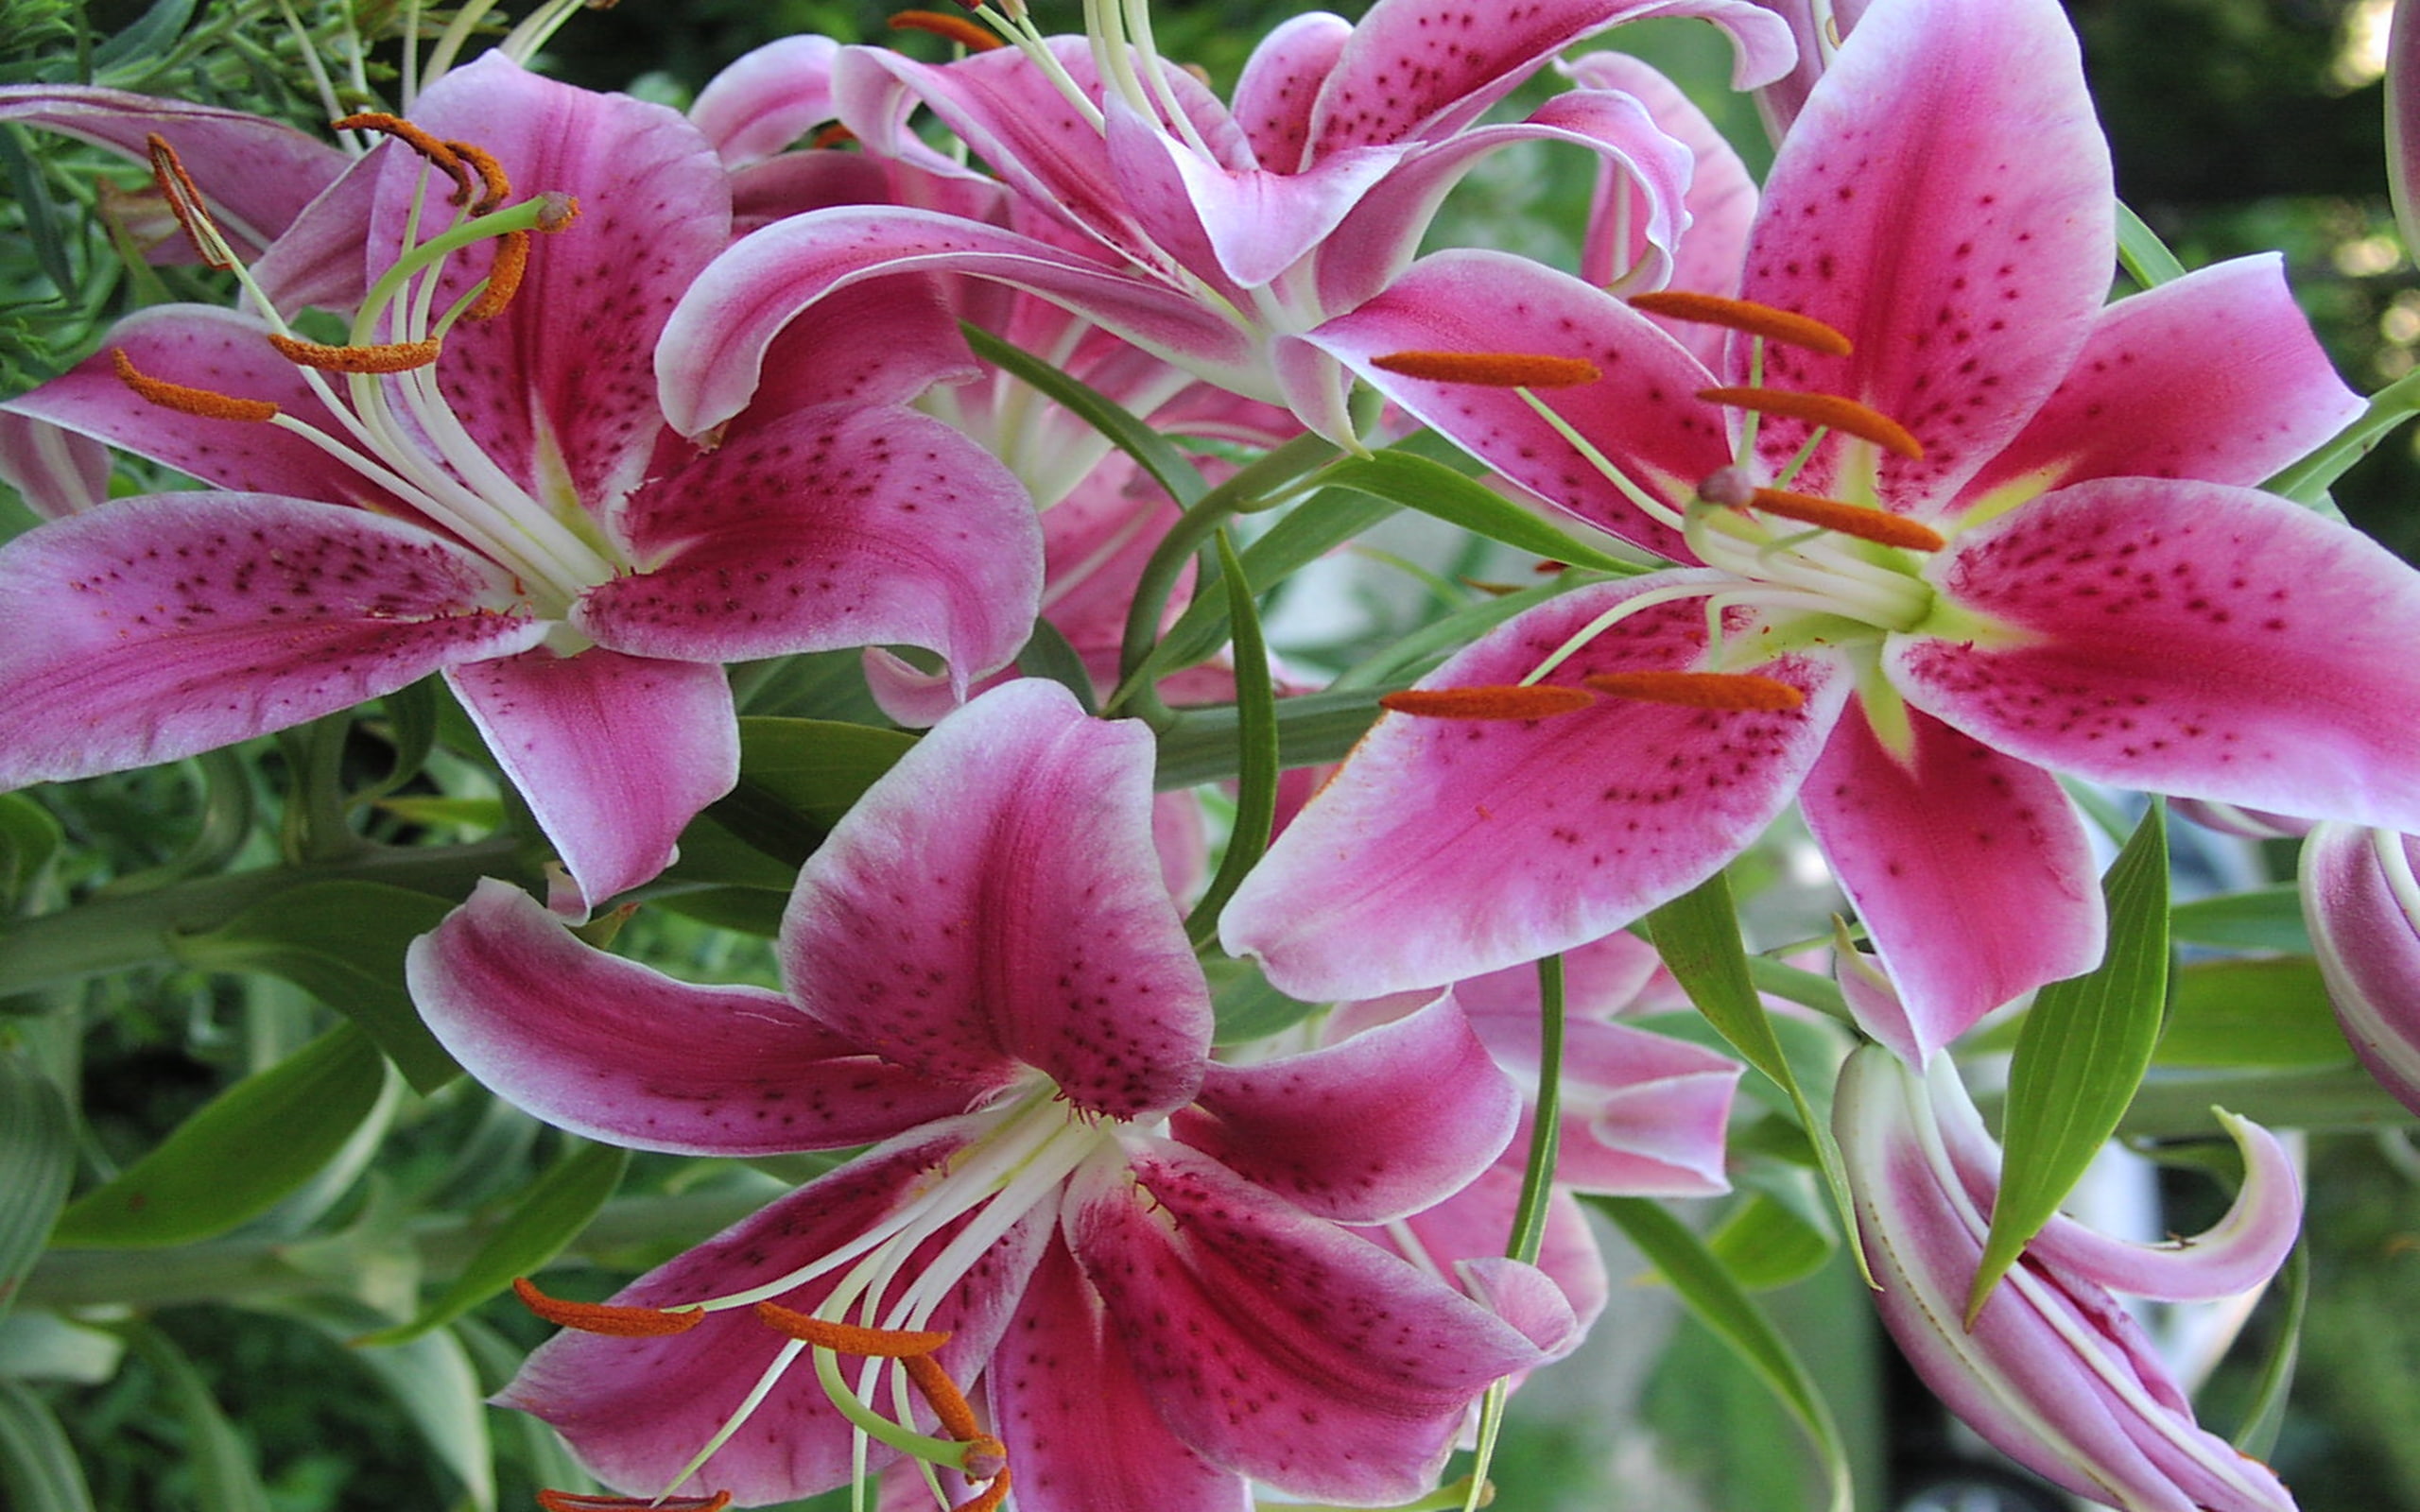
(440,156)
(832,136)
(503,276)
(579,1502)
(495,188)
(975,39)
(941,1393)
(1491,369)
(204,402)
(1862,521)
(1846,415)
(1502,701)
(604,1318)
(184,198)
(385,356)
(1740,690)
(1744,315)
(991,1496)
(850,1338)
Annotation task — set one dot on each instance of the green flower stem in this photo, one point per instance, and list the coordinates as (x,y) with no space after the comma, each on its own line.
(108,935)
(2307,481)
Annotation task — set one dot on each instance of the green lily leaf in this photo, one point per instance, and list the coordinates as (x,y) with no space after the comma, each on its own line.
(28,838)
(224,1475)
(36,1162)
(249,1146)
(2252,1013)
(797,777)
(2266,919)
(1438,490)
(37,1466)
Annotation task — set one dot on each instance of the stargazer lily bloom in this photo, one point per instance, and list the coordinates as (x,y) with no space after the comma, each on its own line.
(2053,1371)
(479,481)
(2363,908)
(1949,524)
(1136,1253)
(1209,235)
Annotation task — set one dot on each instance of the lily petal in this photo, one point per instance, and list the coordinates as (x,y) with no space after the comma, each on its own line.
(2368,943)
(2184,638)
(619,1051)
(1280,83)
(615,754)
(993,903)
(767,99)
(1970,870)
(154,627)
(55,472)
(1447,847)
(1382,1124)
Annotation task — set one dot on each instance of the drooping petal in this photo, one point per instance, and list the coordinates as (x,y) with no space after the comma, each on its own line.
(256,174)
(1280,83)
(558,390)
(2053,1372)
(2214,376)
(1642,413)
(56,472)
(322,259)
(841,525)
(1449,847)
(1643,1114)
(635,1411)
(619,1051)
(714,346)
(767,99)
(1474,1225)
(1417,69)
(2184,637)
(1970,870)
(154,627)
(1277,1343)
(993,903)
(1388,1122)
(615,754)
(1954,147)
(1082,1432)
(2367,939)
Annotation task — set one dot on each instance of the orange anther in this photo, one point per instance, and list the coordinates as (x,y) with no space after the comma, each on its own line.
(985,1458)
(988,1499)
(186,401)
(1489,370)
(832,136)
(1744,315)
(949,1404)
(604,1318)
(386,356)
(1825,409)
(958,29)
(438,153)
(1857,520)
(1699,690)
(1508,701)
(849,1338)
(495,188)
(575,1502)
(503,276)
(184,202)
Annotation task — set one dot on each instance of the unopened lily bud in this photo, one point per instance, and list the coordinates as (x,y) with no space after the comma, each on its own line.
(2363,910)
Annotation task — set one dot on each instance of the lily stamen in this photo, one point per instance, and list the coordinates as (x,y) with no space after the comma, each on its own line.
(1847,415)
(372,357)
(975,39)
(604,1318)
(184,400)
(184,198)
(438,153)
(1509,701)
(1862,521)
(495,187)
(849,1338)
(1728,691)
(1747,315)
(1491,369)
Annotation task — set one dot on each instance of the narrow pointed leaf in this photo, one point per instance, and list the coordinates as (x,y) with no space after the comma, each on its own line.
(2083,1049)
(1150,450)
(28,838)
(1319,525)
(1256,751)
(1766,1242)
(1201,746)
(344,942)
(2147,259)
(548,1217)
(2265,918)
(225,1479)
(2266,1416)
(2252,1013)
(1245,1007)
(1436,490)
(1708,1290)
(431,1379)
(37,1466)
(36,1162)
(253,1145)
(1698,935)
(1047,654)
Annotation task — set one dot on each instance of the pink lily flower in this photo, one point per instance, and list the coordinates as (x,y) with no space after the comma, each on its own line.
(2057,564)
(2363,909)
(1209,235)
(511,509)
(2053,1371)
(1136,1252)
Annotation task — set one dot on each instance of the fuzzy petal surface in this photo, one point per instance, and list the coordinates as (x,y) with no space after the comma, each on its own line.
(1277,1343)
(616,753)
(1446,847)
(153,627)
(1970,870)
(2184,638)
(619,1051)
(1389,1121)
(994,903)
(841,525)
(1944,201)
